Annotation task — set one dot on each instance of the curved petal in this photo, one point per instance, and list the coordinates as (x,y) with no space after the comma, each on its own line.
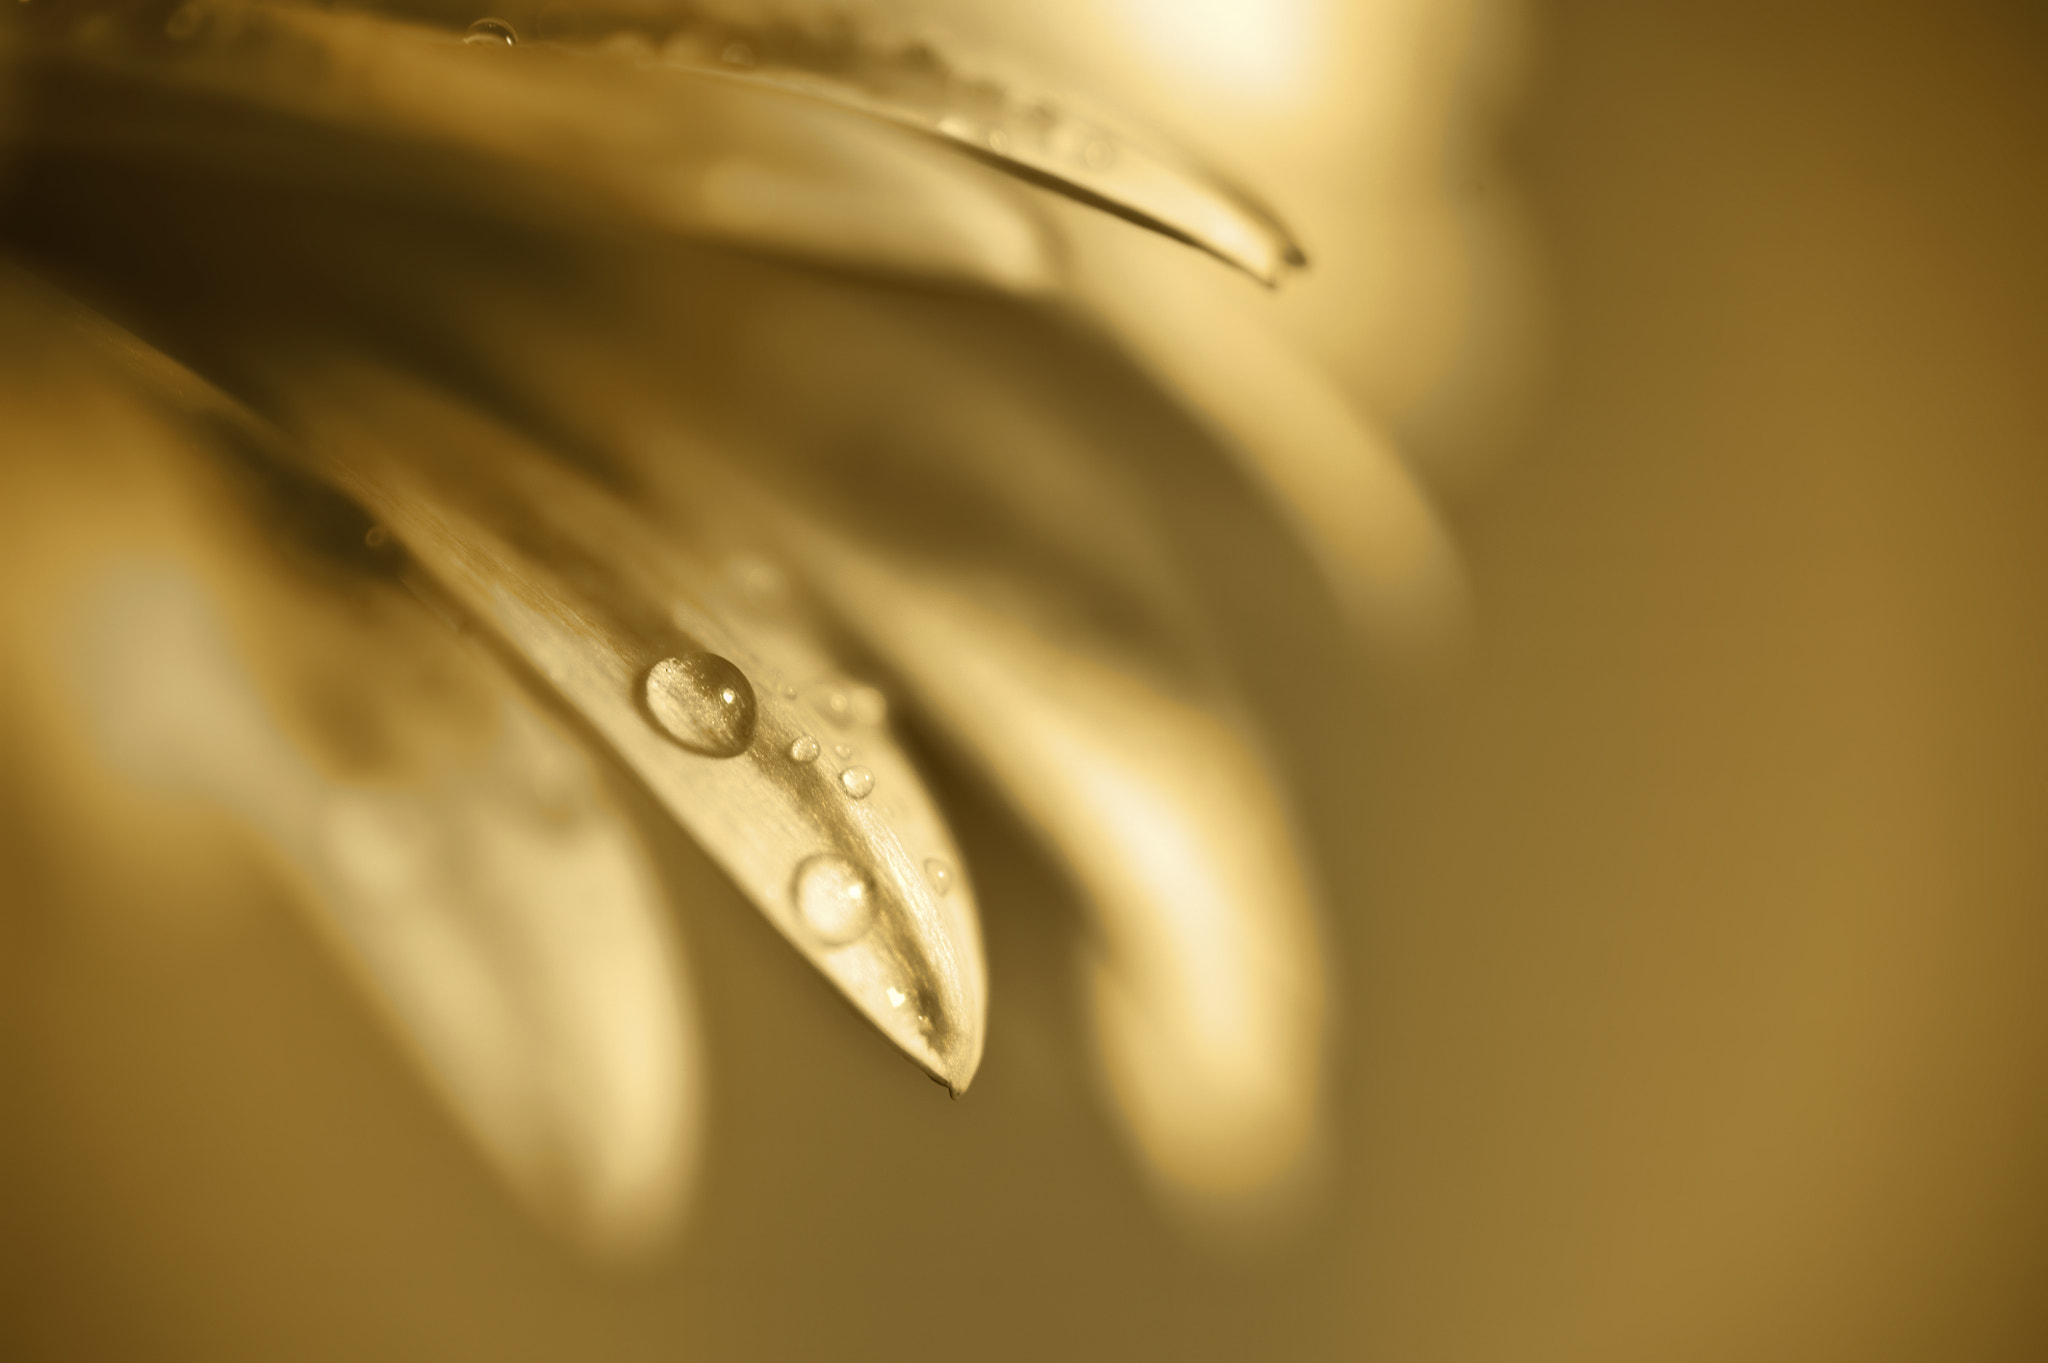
(225,636)
(1208,992)
(350,102)
(1336,478)
(806,783)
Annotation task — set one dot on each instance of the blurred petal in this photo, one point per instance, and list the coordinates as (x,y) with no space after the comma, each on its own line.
(855,60)
(1339,483)
(1207,990)
(351,102)
(449,839)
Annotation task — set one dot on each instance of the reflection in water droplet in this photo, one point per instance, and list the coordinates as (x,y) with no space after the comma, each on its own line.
(704,702)
(805,749)
(490,33)
(834,898)
(858,781)
(939,874)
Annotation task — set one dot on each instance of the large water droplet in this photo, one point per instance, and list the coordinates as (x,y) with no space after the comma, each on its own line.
(939,874)
(704,702)
(857,782)
(805,749)
(490,33)
(834,898)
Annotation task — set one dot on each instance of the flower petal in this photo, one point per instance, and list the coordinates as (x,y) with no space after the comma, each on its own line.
(227,637)
(1208,993)
(1336,479)
(807,801)
(381,109)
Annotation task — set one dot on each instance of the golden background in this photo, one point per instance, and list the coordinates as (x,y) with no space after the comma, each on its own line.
(1690,920)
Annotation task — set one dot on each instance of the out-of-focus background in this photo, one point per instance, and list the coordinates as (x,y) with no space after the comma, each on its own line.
(1691,922)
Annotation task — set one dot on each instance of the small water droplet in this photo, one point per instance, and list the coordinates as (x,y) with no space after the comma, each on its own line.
(998,141)
(834,898)
(842,750)
(376,537)
(490,33)
(896,997)
(737,54)
(857,782)
(805,749)
(704,702)
(1096,155)
(939,874)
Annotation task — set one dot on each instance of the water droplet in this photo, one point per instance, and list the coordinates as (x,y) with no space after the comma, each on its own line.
(185,21)
(789,693)
(704,702)
(376,537)
(490,33)
(998,141)
(1096,155)
(857,782)
(805,749)
(834,898)
(842,750)
(896,997)
(737,54)
(939,874)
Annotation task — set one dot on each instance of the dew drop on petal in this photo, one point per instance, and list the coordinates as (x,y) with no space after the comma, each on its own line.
(842,750)
(490,33)
(805,749)
(857,782)
(834,898)
(704,702)
(896,997)
(939,874)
